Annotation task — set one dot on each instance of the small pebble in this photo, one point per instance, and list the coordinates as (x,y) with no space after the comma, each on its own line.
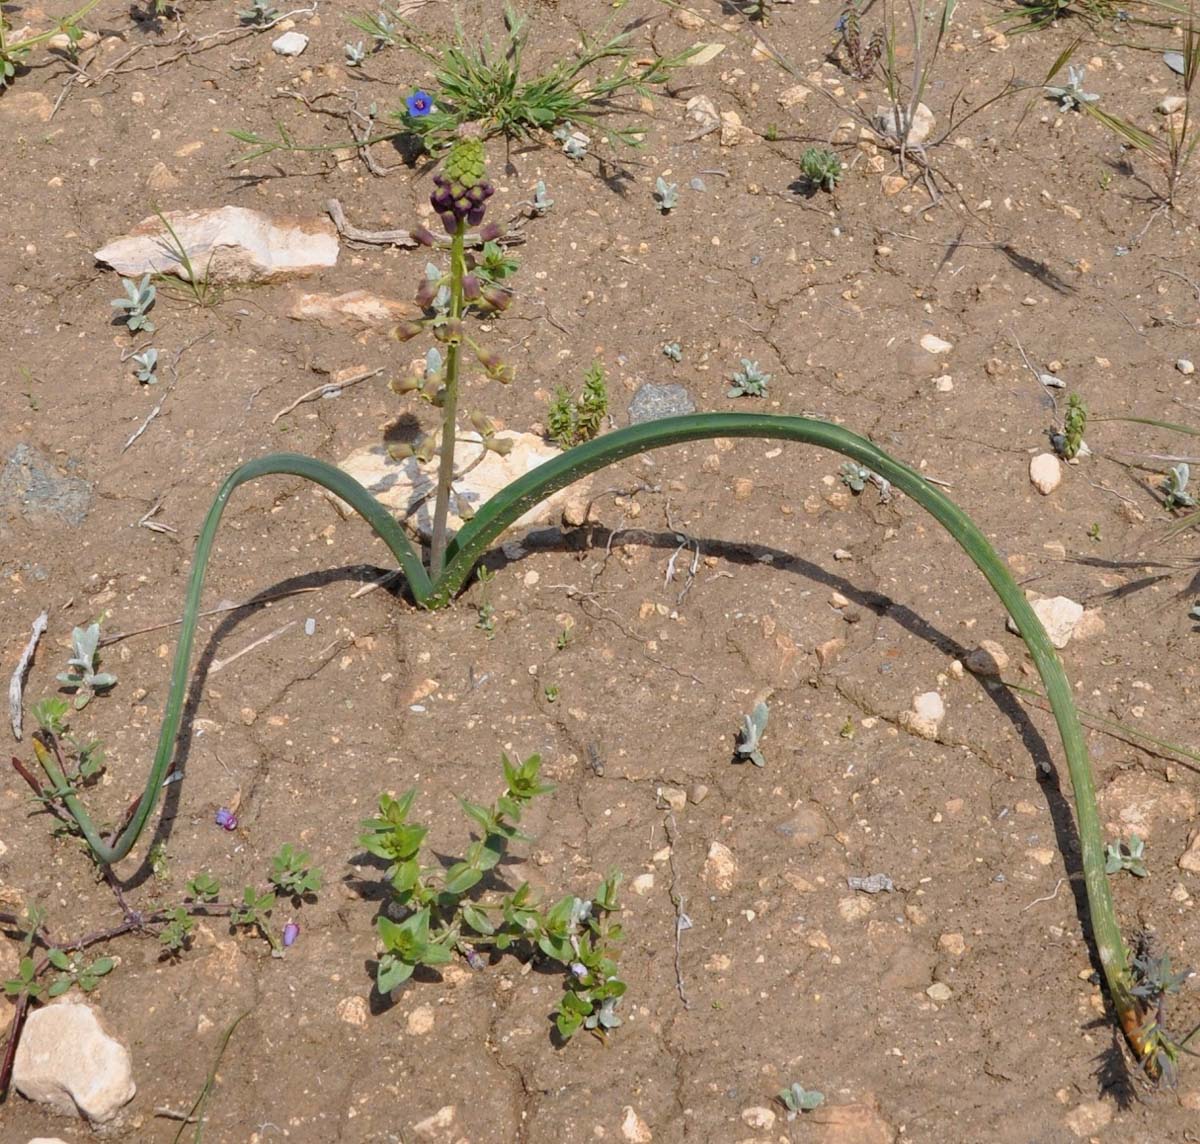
(310,626)
(290,44)
(1186,366)
(939,991)
(931,343)
(1045,472)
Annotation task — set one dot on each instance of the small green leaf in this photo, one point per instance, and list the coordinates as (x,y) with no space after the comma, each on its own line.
(59,987)
(59,960)
(461,877)
(391,973)
(477,920)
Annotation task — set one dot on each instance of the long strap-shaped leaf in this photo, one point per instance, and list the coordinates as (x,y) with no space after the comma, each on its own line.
(292,464)
(513,502)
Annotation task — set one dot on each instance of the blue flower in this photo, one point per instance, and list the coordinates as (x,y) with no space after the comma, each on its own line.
(226,819)
(419,103)
(291,931)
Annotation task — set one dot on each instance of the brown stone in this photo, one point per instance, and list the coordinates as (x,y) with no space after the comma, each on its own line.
(859,1123)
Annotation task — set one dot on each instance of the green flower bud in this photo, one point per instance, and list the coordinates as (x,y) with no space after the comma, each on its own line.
(501,446)
(466,165)
(482,423)
(400,452)
(409,384)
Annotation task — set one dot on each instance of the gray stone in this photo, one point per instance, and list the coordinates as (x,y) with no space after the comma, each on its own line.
(652,402)
(32,485)
(67,1060)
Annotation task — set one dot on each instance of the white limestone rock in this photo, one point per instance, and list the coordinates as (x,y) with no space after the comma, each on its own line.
(65,1059)
(225,245)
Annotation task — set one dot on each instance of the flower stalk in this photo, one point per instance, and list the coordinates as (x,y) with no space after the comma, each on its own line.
(441,508)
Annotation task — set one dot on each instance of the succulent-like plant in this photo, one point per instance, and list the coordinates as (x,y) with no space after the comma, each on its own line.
(749,740)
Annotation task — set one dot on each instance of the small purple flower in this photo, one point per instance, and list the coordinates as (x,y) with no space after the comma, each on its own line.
(420,103)
(226,819)
(291,931)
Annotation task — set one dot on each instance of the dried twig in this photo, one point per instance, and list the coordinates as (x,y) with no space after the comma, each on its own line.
(17,682)
(329,389)
(218,664)
(682,921)
(370,237)
(118,636)
(1048,898)
(146,520)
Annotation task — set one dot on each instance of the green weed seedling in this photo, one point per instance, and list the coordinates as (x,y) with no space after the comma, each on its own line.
(572,420)
(540,204)
(147,365)
(446,909)
(1068,442)
(1175,494)
(673,351)
(573,928)
(1128,856)
(1071,96)
(749,741)
(796,1099)
(259,14)
(666,195)
(821,167)
(749,381)
(135,306)
(355,54)
(81,677)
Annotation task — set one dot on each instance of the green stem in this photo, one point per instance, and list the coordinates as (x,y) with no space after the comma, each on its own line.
(441,509)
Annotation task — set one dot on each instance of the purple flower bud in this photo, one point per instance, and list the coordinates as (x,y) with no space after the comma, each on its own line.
(426,292)
(489,359)
(470,287)
(448,330)
(449,221)
(405,330)
(491,232)
(424,235)
(495,297)
(291,931)
(475,216)
(226,819)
